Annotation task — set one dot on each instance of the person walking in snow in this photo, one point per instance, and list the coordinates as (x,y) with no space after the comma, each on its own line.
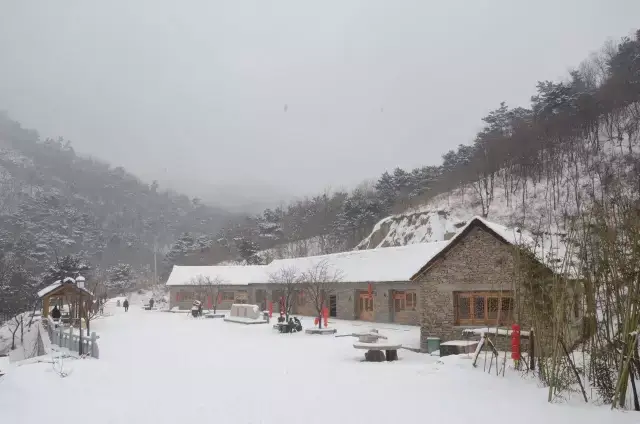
(151,303)
(126,305)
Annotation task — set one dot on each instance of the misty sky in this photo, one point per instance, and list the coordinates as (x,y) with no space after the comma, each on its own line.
(194,92)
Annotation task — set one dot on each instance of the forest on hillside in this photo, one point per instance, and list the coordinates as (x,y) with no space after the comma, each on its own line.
(55,204)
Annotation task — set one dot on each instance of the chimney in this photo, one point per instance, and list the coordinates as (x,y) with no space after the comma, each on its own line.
(80,281)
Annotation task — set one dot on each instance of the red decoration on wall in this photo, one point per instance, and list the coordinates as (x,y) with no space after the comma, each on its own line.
(209,302)
(219,298)
(515,342)
(370,289)
(270,309)
(325,314)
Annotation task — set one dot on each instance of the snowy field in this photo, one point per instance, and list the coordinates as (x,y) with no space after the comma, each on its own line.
(160,367)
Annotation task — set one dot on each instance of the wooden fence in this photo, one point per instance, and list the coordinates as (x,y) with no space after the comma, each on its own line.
(64,337)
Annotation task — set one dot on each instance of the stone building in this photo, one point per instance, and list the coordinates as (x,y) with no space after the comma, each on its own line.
(467,281)
(473,282)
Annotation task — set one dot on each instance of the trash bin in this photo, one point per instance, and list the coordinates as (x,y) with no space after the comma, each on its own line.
(433,344)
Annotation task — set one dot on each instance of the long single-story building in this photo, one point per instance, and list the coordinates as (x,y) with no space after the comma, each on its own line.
(393,298)
(466,281)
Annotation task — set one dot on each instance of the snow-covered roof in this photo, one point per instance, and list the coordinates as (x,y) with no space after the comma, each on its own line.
(67,281)
(45,291)
(228,275)
(383,264)
(548,250)
(372,265)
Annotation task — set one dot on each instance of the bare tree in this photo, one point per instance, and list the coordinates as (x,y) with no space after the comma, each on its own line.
(319,284)
(211,288)
(288,278)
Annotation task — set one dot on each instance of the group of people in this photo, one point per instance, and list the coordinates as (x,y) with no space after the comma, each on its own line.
(125,304)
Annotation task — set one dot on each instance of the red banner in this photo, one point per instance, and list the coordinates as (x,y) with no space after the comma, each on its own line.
(178,297)
(219,298)
(515,342)
(270,309)
(325,314)
(209,302)
(370,289)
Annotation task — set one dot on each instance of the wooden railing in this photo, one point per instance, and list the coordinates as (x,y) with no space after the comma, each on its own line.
(65,337)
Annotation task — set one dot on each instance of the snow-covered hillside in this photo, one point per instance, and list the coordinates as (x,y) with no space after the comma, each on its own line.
(541,206)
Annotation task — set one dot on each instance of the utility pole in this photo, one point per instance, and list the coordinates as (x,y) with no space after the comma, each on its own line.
(155,262)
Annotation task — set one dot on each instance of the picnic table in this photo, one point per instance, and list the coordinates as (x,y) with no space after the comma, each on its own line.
(377,347)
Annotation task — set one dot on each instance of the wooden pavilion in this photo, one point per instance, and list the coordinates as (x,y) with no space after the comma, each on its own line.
(71,293)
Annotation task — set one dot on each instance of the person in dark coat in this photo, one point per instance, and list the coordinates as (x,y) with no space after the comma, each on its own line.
(151,303)
(55,313)
(126,305)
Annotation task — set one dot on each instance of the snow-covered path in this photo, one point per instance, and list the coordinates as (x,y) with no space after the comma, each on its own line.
(169,368)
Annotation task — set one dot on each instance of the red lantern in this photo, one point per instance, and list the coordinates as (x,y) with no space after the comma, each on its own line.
(515,342)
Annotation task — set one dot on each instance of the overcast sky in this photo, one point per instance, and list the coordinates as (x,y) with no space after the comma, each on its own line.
(287,96)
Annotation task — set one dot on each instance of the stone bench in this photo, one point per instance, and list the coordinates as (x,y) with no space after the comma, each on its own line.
(379,351)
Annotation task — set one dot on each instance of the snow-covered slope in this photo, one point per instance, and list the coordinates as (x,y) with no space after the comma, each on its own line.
(541,206)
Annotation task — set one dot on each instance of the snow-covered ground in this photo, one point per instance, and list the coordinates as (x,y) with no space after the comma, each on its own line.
(160,367)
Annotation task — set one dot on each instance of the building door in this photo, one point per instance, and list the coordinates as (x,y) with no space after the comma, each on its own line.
(333,306)
(261,299)
(365,307)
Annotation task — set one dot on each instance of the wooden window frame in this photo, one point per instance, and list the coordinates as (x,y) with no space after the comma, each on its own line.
(473,320)
(404,300)
(367,301)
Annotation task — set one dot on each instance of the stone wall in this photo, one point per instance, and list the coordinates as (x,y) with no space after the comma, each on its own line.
(479,262)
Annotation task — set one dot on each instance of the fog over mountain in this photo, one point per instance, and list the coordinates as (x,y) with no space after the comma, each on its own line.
(245,102)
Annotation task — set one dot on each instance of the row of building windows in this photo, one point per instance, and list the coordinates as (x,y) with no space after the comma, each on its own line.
(470,308)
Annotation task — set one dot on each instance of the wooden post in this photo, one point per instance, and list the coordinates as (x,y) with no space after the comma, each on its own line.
(93,344)
(69,343)
(532,353)
(80,324)
(45,306)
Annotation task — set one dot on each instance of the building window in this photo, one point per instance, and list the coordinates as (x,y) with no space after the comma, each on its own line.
(404,301)
(366,304)
(228,296)
(483,308)
(186,296)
